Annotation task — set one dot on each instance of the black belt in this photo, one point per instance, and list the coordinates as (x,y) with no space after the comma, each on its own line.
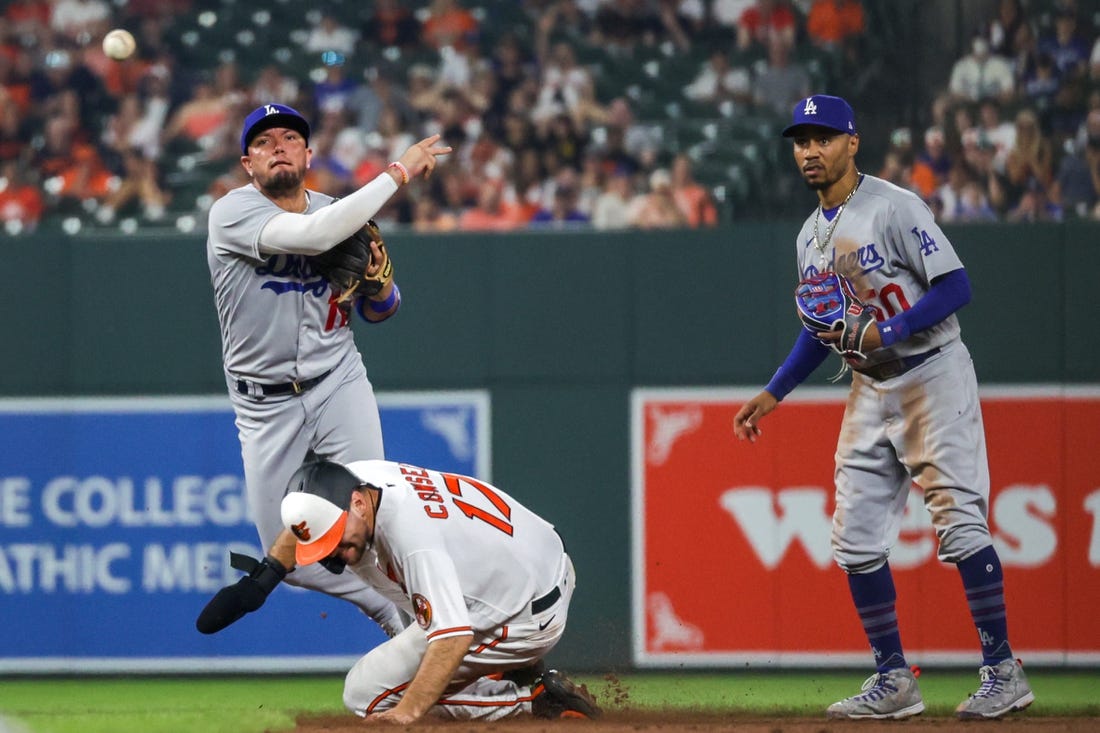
(541,604)
(897,367)
(270,390)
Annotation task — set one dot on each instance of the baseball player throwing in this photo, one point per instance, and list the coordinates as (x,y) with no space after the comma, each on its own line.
(912,415)
(488,582)
(296,380)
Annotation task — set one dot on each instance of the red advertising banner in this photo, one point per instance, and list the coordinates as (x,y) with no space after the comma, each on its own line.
(732,562)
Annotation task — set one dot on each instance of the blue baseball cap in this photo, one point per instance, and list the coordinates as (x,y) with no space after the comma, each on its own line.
(271,115)
(821,110)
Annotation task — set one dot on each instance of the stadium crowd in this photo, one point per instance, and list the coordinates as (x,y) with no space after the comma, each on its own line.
(540,140)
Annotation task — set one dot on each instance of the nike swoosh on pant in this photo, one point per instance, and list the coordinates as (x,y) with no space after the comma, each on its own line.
(542,627)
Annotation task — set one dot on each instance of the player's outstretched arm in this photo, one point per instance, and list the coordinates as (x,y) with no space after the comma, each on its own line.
(436,671)
(746,424)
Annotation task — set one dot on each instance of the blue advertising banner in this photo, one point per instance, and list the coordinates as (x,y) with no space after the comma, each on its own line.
(118,517)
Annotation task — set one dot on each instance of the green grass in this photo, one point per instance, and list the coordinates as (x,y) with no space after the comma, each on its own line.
(271,703)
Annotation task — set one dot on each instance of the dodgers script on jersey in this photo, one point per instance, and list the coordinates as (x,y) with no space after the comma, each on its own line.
(269,339)
(888,244)
(469,556)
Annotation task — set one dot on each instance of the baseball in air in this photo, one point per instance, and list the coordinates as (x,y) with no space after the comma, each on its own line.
(119,44)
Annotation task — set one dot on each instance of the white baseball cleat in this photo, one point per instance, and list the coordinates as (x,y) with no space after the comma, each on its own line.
(890,695)
(1004,689)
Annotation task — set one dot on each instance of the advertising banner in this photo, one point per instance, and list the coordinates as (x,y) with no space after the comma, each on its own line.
(731,539)
(118,517)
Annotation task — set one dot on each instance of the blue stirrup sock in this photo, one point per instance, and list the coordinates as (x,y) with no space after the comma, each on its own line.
(875,597)
(983,582)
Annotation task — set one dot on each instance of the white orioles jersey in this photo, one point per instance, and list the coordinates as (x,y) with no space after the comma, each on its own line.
(458,554)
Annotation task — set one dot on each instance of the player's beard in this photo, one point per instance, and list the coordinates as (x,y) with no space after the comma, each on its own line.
(283,181)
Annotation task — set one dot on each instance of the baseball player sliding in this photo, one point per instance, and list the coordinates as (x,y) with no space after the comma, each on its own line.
(488,582)
(912,416)
(296,380)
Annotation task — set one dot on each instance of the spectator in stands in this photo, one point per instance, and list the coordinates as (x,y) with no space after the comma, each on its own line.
(1077,185)
(718,80)
(1066,46)
(612,207)
(562,136)
(29,19)
(630,142)
(391,24)
(622,25)
(138,183)
(682,20)
(981,74)
(329,34)
(1024,53)
(430,217)
(765,21)
(973,205)
(836,26)
(15,130)
(21,204)
(1034,205)
(337,89)
(898,161)
(998,132)
(562,83)
(491,213)
(512,66)
(70,169)
(1040,87)
(1001,31)
(1029,163)
(562,211)
(72,18)
(60,75)
(271,83)
(931,164)
(449,24)
(693,199)
(780,82)
(196,123)
(658,208)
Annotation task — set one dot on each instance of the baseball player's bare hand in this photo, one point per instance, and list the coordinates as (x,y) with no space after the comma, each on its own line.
(746,422)
(392,716)
(420,158)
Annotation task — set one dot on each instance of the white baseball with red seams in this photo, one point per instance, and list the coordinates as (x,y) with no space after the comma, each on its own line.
(119,44)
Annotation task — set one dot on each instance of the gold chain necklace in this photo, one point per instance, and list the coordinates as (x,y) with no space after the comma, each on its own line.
(822,244)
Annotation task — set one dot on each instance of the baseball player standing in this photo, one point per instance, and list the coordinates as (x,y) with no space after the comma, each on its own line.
(488,582)
(296,380)
(912,416)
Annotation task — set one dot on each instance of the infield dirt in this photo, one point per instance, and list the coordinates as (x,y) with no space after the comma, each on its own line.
(681,722)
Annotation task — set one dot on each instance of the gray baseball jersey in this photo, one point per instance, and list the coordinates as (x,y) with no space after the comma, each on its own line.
(923,426)
(279,325)
(287,328)
(886,241)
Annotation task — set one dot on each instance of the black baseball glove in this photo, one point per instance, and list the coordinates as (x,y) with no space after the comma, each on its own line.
(244,596)
(346,265)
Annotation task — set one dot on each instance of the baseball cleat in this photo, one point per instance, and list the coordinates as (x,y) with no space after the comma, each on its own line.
(557,697)
(890,695)
(1004,689)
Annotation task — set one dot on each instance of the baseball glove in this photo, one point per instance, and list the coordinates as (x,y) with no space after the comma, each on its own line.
(345,266)
(828,302)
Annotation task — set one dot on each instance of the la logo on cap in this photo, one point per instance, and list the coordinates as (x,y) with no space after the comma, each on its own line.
(810,108)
